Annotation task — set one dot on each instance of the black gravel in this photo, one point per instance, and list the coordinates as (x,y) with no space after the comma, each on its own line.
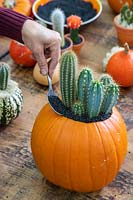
(81,8)
(59,107)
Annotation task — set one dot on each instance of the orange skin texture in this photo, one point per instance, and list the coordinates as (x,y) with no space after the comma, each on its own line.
(120,67)
(21,6)
(116,5)
(21,54)
(78,156)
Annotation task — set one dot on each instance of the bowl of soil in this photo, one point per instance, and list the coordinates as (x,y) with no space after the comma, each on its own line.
(88,10)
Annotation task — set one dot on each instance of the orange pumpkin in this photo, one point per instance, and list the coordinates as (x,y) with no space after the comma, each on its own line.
(120,67)
(20,6)
(116,5)
(21,54)
(75,155)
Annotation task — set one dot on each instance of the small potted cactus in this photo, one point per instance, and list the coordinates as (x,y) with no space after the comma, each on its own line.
(124,25)
(11,98)
(58,21)
(73,23)
(83,149)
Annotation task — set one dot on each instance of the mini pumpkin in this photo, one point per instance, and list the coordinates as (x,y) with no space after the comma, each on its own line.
(21,54)
(80,156)
(43,79)
(11,98)
(20,6)
(120,66)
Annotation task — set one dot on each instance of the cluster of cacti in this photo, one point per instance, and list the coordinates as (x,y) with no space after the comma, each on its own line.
(127,13)
(88,97)
(58,21)
(11,98)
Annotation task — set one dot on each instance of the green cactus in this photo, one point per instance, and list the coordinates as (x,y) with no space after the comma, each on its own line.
(110,98)
(106,79)
(68,78)
(4,75)
(127,13)
(84,81)
(94,99)
(58,21)
(78,108)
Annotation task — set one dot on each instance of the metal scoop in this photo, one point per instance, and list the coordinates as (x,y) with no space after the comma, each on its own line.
(53,99)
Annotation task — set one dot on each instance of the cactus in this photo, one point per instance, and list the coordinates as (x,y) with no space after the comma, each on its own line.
(84,81)
(58,20)
(68,78)
(110,98)
(94,99)
(89,98)
(78,108)
(127,13)
(4,75)
(106,79)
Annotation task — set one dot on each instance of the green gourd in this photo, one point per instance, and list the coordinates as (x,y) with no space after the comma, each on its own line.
(11,98)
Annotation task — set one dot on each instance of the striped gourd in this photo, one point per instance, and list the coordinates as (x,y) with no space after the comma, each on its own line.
(11,98)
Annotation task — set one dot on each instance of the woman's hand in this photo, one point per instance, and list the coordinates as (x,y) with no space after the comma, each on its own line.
(44,43)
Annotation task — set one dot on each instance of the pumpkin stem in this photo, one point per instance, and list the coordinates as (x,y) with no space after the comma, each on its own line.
(126,48)
(68,78)
(58,20)
(4,75)
(9,3)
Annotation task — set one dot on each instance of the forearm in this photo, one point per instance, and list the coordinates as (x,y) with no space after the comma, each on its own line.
(11,24)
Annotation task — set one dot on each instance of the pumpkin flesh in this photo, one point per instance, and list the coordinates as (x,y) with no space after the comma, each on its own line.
(78,156)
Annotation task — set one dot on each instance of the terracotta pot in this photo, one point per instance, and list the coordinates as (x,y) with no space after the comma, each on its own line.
(69,47)
(116,5)
(43,79)
(124,34)
(77,47)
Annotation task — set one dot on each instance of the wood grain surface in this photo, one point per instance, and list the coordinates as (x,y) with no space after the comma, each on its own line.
(19,177)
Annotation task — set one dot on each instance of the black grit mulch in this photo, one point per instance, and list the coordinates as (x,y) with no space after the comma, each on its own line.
(59,107)
(81,8)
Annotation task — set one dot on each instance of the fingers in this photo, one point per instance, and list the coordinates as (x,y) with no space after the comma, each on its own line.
(55,56)
(42,62)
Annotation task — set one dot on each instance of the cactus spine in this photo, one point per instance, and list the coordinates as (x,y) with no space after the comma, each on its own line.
(78,108)
(84,81)
(4,75)
(68,78)
(106,79)
(58,20)
(110,98)
(94,99)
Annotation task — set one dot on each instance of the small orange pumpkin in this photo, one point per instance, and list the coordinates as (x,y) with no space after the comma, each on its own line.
(116,5)
(120,67)
(75,155)
(20,6)
(21,54)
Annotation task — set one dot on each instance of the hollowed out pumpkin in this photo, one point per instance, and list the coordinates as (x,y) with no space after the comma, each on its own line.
(75,155)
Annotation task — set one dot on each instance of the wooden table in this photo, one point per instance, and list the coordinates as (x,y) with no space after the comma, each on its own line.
(19,177)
